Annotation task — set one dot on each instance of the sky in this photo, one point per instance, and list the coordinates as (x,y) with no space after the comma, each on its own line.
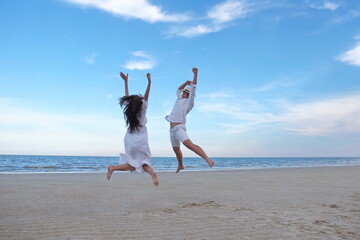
(277,78)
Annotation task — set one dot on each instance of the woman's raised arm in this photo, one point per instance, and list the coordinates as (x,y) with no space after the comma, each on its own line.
(125,77)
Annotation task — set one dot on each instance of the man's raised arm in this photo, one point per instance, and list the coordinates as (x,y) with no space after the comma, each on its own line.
(195,71)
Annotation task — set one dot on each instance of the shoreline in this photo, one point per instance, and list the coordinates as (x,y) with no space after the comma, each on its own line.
(286,203)
(195,156)
(186,170)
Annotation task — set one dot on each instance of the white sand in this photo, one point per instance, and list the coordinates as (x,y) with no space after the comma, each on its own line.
(302,203)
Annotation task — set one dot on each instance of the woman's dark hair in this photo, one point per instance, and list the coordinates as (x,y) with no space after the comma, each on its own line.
(132,111)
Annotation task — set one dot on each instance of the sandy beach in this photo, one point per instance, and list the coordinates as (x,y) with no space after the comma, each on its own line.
(299,203)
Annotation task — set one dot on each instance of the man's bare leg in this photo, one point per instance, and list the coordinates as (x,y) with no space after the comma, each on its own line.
(178,154)
(153,174)
(122,167)
(198,150)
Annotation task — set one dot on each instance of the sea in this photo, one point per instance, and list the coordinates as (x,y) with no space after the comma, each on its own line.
(10,164)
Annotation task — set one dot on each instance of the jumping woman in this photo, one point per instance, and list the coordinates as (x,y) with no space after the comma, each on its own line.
(137,152)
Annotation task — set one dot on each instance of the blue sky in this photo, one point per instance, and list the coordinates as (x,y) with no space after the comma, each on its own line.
(276,78)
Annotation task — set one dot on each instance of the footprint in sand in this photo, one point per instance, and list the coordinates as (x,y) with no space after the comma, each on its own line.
(204,204)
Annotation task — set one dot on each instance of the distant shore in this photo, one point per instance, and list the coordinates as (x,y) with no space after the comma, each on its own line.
(287,203)
(92,164)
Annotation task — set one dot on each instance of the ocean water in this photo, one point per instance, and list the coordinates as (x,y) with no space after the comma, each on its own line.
(83,164)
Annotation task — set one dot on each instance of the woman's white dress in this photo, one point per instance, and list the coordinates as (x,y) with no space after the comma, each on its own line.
(137,151)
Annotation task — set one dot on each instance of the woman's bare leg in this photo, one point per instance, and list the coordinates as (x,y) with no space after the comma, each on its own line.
(178,154)
(121,167)
(198,150)
(153,174)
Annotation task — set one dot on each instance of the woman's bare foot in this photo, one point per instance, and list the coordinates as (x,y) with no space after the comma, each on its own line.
(211,163)
(179,168)
(109,173)
(155,179)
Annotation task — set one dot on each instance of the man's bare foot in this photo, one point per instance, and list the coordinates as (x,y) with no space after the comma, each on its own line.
(155,179)
(109,173)
(211,163)
(179,168)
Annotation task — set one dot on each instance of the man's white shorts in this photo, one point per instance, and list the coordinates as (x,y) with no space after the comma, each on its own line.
(178,134)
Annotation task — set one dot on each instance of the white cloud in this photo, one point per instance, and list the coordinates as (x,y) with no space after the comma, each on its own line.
(352,56)
(139,65)
(228,11)
(12,114)
(331,6)
(325,5)
(247,112)
(325,117)
(138,9)
(237,116)
(351,15)
(274,85)
(145,62)
(193,31)
(217,18)
(89,59)
(216,95)
(142,54)
(24,130)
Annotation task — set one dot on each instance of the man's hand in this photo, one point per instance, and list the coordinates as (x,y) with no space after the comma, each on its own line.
(123,76)
(195,70)
(148,75)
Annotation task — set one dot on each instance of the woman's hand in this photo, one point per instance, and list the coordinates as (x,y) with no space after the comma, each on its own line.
(148,75)
(195,70)
(123,76)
